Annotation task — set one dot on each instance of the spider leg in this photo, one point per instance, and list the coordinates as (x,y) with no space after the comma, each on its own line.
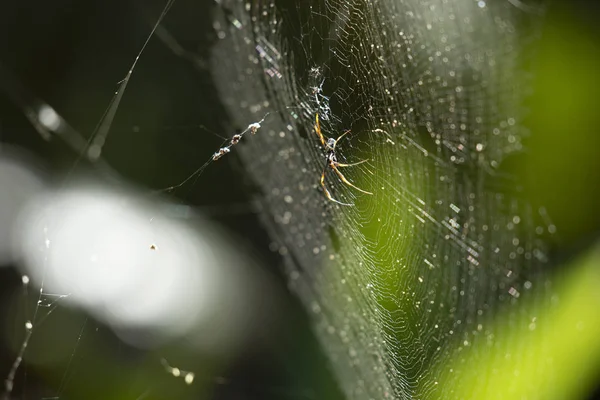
(327,194)
(340,137)
(318,130)
(346,181)
(337,164)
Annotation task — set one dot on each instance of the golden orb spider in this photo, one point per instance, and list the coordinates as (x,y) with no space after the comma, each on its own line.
(331,161)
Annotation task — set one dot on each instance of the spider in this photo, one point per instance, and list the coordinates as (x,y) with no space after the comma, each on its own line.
(331,161)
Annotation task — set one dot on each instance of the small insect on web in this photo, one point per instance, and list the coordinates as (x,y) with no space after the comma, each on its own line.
(332,162)
(235,139)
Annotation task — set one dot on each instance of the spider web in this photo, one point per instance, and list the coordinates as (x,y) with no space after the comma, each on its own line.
(404,280)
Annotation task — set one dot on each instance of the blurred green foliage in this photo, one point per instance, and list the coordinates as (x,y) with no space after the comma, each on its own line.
(562,171)
(556,356)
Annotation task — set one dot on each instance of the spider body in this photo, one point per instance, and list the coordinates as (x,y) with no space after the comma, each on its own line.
(331,145)
(332,162)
